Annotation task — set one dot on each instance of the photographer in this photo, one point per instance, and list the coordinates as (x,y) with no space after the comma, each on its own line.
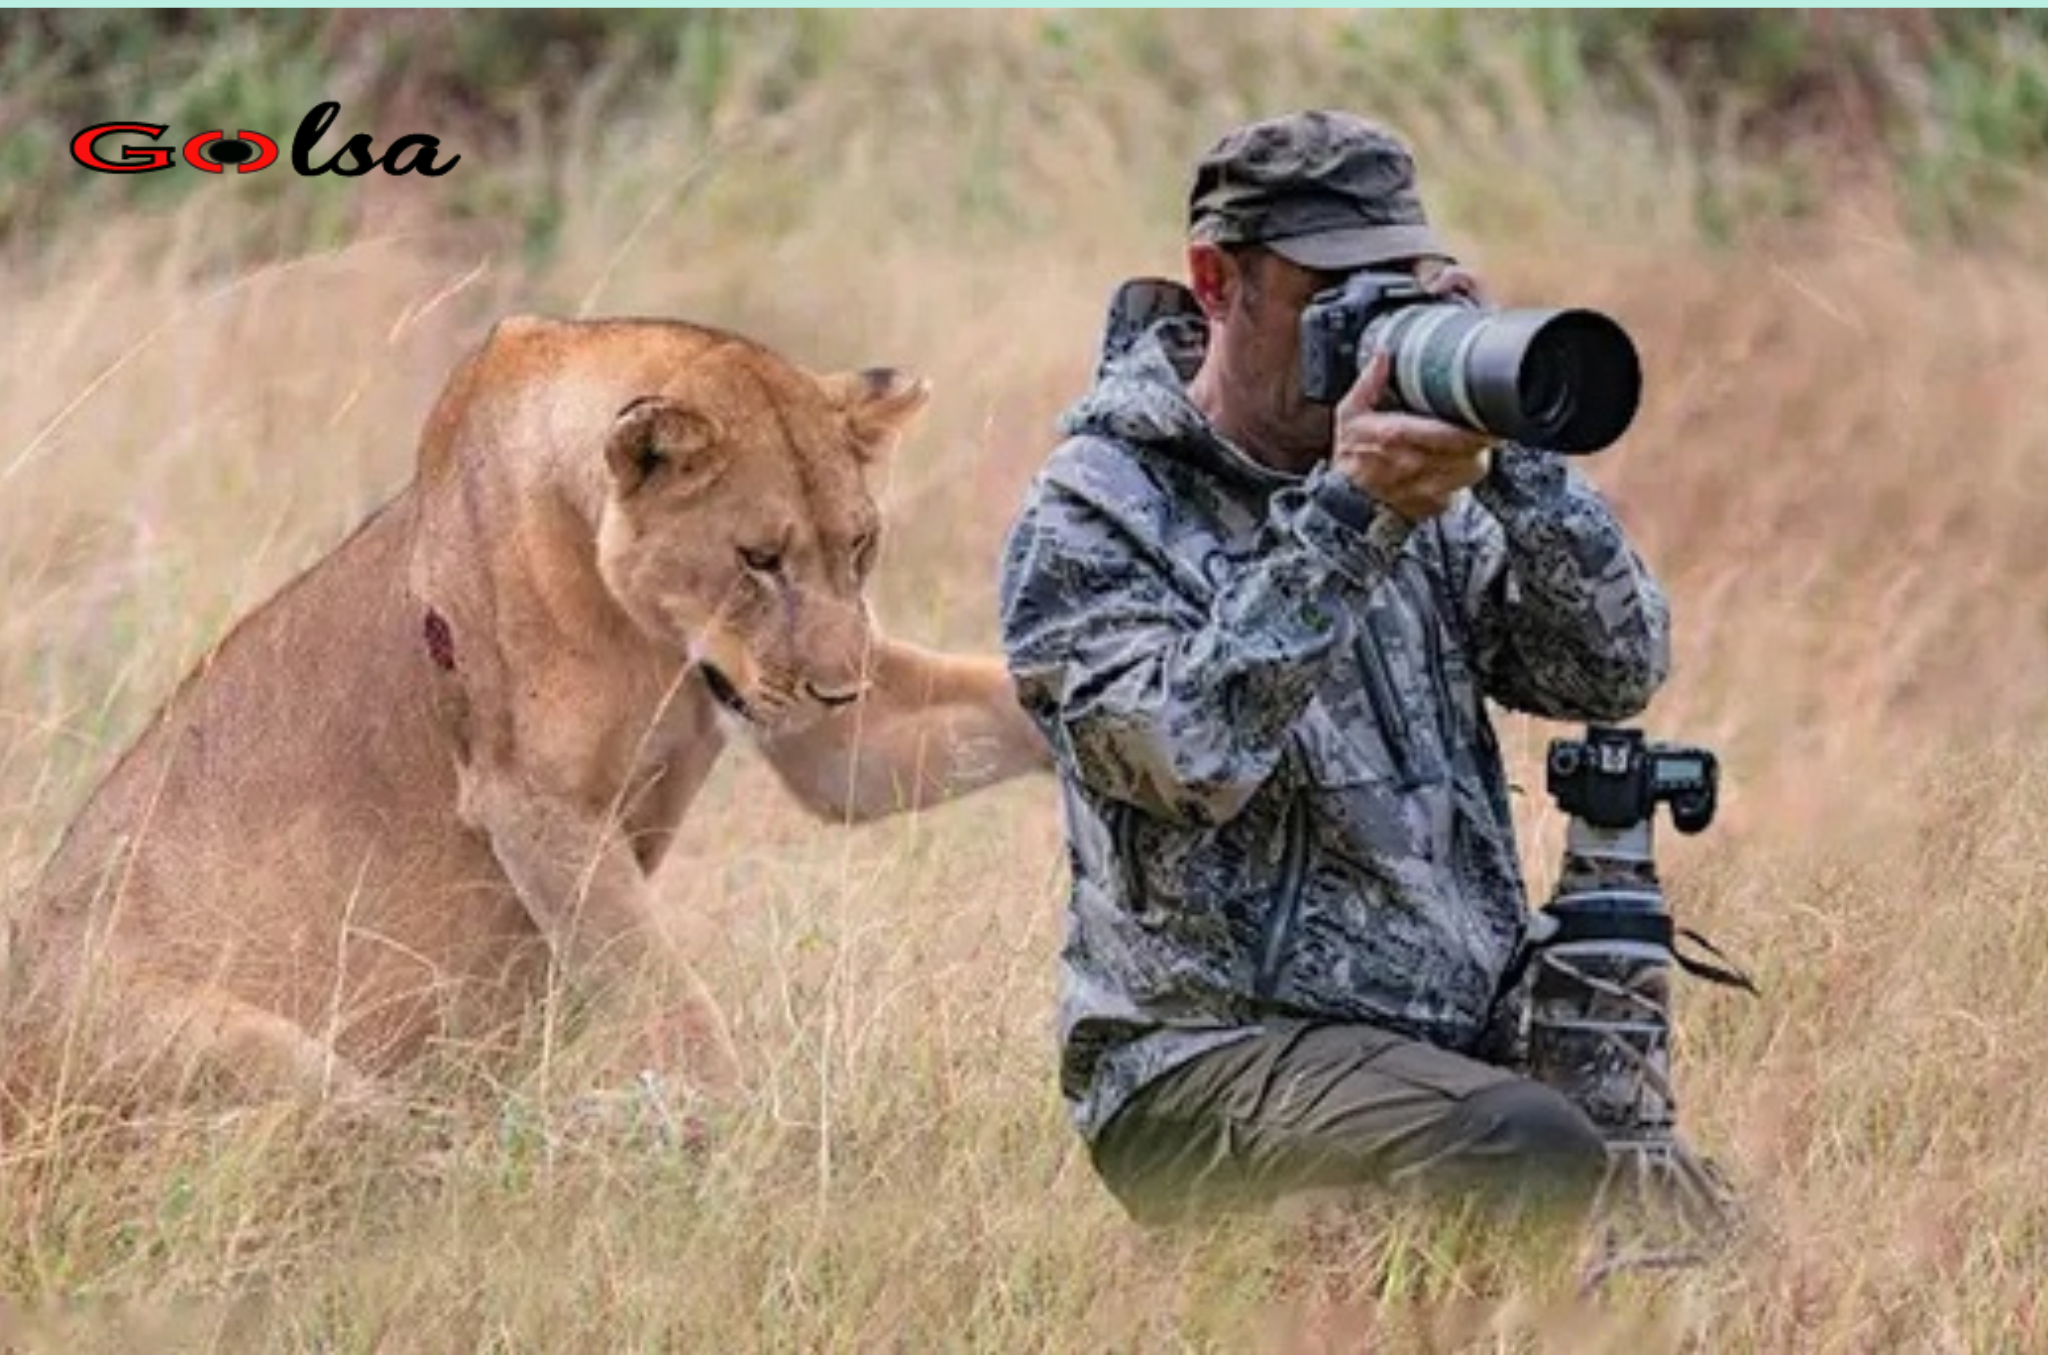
(1259,633)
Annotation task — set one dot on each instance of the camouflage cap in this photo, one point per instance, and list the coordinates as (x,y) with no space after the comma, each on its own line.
(1328,190)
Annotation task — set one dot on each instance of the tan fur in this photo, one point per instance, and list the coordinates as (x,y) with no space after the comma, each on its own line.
(331,851)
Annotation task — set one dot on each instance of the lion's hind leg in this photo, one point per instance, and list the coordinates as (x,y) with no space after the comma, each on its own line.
(153,1039)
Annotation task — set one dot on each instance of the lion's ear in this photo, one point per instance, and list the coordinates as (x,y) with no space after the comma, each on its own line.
(659,439)
(879,405)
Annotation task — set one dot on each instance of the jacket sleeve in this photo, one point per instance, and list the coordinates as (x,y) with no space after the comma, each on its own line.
(1182,707)
(1567,622)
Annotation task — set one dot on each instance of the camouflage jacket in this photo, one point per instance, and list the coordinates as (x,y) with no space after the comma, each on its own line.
(1266,696)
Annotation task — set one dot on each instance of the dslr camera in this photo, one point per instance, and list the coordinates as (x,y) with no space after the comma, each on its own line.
(1614,779)
(1567,380)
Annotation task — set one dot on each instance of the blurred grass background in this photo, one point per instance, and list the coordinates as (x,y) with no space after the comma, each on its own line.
(1821,227)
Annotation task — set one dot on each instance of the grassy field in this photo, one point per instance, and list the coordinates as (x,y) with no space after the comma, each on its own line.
(1836,474)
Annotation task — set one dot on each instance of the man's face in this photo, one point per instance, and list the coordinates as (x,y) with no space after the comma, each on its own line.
(1263,333)
(1254,300)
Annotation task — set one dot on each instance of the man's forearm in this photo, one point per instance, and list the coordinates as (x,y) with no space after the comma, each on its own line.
(1571,624)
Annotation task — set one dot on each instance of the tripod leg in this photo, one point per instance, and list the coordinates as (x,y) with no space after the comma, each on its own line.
(1649,1189)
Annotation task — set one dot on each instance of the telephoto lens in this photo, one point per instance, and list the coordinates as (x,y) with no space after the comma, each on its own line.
(1566,380)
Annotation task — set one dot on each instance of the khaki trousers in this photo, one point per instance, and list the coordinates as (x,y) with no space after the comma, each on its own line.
(1314,1107)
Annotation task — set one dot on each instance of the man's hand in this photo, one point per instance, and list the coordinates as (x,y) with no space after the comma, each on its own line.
(1441,277)
(1413,464)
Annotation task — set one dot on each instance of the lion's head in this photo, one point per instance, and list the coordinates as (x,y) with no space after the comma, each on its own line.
(739,528)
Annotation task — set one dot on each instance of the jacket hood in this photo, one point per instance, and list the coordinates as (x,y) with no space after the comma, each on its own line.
(1152,347)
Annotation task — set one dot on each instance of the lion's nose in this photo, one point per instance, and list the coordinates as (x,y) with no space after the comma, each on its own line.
(845,697)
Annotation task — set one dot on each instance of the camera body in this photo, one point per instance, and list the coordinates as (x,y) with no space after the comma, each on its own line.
(1614,778)
(1334,328)
(1565,380)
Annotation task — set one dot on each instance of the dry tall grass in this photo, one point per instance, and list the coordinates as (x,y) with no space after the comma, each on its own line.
(1835,474)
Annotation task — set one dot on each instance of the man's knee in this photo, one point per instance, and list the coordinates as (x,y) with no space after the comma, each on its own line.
(1528,1119)
(1525,1140)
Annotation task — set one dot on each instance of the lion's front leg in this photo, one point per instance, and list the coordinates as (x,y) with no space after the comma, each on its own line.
(579,880)
(931,727)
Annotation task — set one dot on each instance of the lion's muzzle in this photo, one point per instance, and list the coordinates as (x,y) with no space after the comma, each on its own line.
(845,696)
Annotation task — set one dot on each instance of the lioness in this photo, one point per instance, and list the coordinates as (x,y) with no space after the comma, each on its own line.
(458,747)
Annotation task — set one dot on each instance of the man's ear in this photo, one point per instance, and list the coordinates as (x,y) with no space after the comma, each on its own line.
(1212,277)
(657,440)
(878,405)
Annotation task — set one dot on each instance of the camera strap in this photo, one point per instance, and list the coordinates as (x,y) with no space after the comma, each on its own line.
(1655,929)
(1726,974)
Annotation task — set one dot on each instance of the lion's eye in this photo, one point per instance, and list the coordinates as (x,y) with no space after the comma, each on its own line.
(864,550)
(761,561)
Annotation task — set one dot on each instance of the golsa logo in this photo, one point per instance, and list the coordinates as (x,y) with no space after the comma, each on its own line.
(250,151)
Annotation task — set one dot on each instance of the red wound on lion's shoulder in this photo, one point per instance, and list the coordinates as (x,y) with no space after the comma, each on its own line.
(440,641)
